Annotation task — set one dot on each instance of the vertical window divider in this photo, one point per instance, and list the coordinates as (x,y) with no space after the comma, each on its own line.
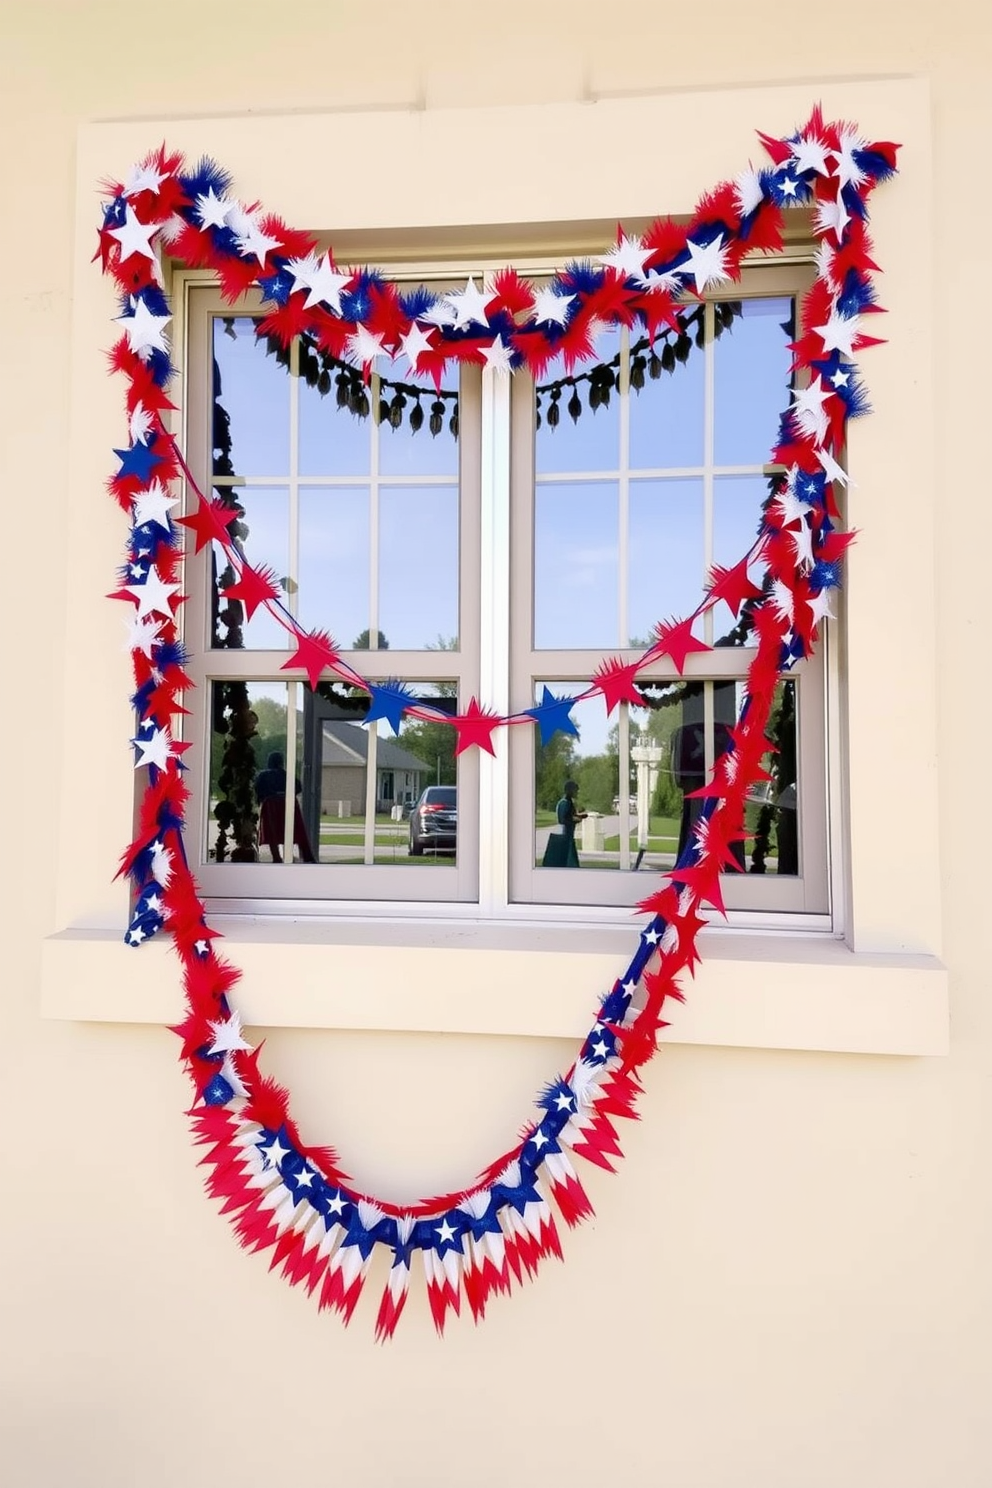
(291,596)
(623,483)
(709,414)
(623,783)
(494,651)
(371,730)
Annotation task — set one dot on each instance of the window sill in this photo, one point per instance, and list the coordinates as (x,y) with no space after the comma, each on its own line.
(752,990)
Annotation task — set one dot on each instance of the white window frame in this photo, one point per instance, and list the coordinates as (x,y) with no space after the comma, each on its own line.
(881,987)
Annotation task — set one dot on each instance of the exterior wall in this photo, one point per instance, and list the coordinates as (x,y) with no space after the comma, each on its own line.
(342,783)
(788,1284)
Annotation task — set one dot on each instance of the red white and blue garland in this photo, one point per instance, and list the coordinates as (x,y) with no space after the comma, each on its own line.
(281,1194)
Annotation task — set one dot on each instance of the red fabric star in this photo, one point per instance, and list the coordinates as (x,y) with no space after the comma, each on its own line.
(675,639)
(314,652)
(615,680)
(209,523)
(732,585)
(253,588)
(475,727)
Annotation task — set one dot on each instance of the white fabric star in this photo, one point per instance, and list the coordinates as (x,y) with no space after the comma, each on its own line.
(788,186)
(820,605)
(154,505)
(498,356)
(707,263)
(321,279)
(834,472)
(153,596)
(213,210)
(363,348)
(143,178)
(414,344)
(227,1037)
(274,1154)
(445,1231)
(141,424)
(233,1079)
(144,330)
(825,256)
(563,1101)
(135,236)
(802,540)
(832,216)
(550,307)
(840,333)
(305,1177)
(136,936)
(791,508)
(248,234)
(810,153)
(808,412)
(469,306)
(155,750)
(161,864)
(848,172)
(783,600)
(142,635)
(748,192)
(628,257)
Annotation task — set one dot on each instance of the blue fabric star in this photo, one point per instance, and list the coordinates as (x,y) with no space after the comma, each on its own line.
(390,702)
(218,1092)
(552,716)
(140,460)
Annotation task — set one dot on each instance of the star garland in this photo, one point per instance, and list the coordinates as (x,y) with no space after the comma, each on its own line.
(281,1194)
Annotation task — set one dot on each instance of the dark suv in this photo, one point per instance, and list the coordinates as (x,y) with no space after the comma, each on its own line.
(434,820)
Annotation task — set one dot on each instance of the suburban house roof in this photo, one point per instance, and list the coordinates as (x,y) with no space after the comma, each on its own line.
(348,744)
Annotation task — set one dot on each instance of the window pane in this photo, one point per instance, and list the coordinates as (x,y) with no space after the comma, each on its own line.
(590,442)
(666,553)
(264,526)
(570,824)
(333,438)
(666,417)
(334,562)
(363,796)
(418,566)
(752,378)
(251,402)
(576,561)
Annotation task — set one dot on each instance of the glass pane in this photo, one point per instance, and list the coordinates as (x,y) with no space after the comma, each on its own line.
(752,379)
(406,813)
(264,525)
(247,800)
(737,504)
(251,402)
(418,427)
(336,426)
(576,565)
(576,781)
(334,562)
(772,817)
(666,415)
(590,442)
(666,553)
(418,567)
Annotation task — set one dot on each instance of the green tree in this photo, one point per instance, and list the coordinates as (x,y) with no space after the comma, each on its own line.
(363,642)
(554,763)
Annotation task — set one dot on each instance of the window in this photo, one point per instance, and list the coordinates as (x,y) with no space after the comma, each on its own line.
(624,483)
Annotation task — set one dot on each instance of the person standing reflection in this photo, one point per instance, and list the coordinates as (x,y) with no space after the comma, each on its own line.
(270,792)
(561,851)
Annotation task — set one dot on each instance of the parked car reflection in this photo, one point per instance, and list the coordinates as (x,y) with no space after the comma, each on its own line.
(434,820)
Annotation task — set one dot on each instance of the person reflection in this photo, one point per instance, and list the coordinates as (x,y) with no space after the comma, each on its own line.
(561,851)
(270,792)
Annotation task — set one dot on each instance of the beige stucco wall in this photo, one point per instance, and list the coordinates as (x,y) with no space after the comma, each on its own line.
(788,1284)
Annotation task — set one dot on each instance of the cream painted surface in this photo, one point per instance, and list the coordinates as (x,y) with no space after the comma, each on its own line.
(788,1282)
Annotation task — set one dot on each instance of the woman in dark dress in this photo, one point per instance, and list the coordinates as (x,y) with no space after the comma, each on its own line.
(561,851)
(270,792)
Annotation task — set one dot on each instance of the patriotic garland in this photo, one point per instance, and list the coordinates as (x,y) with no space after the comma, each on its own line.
(282,1195)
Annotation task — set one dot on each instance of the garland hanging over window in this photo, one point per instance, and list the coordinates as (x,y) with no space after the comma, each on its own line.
(283,1194)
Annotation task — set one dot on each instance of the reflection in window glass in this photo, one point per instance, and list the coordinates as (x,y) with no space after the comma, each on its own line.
(251,402)
(362,795)
(751,379)
(591,441)
(262,535)
(333,438)
(576,557)
(666,417)
(618,796)
(666,564)
(418,427)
